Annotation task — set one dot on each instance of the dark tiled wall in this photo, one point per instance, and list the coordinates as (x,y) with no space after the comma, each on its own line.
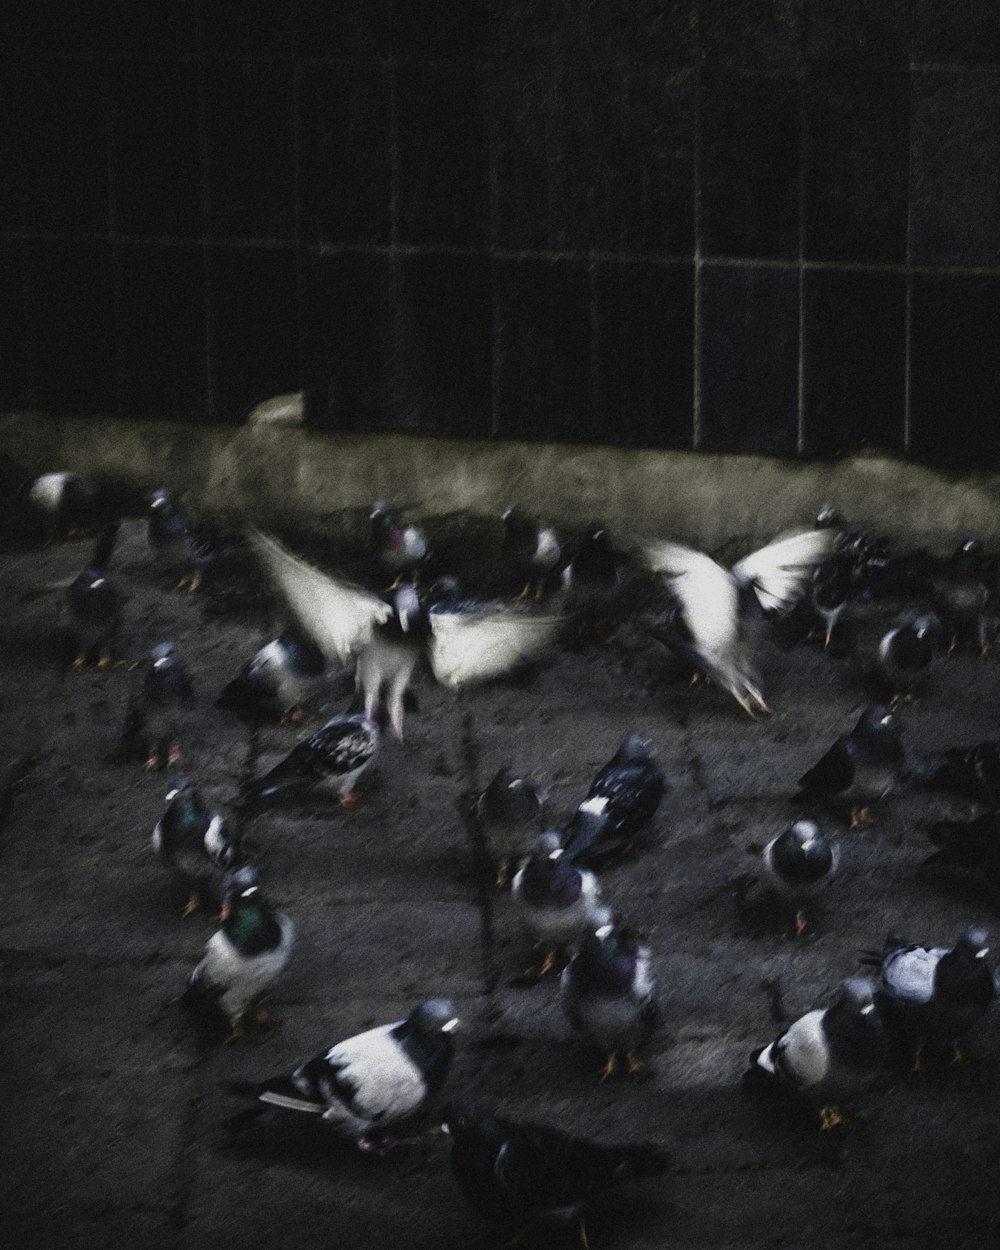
(767,226)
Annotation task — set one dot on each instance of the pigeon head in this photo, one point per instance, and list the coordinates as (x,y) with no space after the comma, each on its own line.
(970,550)
(857,996)
(436,1015)
(608,957)
(236,880)
(973,942)
(877,719)
(802,854)
(634,747)
(912,646)
(406,606)
(828,517)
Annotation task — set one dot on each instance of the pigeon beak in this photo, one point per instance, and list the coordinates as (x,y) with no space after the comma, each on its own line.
(604,931)
(983,953)
(866,1011)
(450,1026)
(172,795)
(445,1129)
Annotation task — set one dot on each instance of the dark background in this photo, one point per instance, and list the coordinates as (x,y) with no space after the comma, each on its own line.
(769,226)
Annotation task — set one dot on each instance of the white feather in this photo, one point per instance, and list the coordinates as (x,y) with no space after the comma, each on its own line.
(559,926)
(467,647)
(910,974)
(706,593)
(804,1056)
(46,491)
(339,617)
(780,572)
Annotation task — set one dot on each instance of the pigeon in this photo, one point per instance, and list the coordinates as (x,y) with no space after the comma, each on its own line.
(335,756)
(369,1085)
(831,587)
(973,772)
(607,992)
(861,767)
(930,996)
(968,852)
(896,660)
(621,801)
(532,554)
(243,958)
(556,900)
(155,718)
(512,1171)
(798,865)
(829,1056)
(91,613)
(509,812)
(183,545)
(593,580)
(390,635)
(277,681)
(400,548)
(196,844)
(960,590)
(720,615)
(68,502)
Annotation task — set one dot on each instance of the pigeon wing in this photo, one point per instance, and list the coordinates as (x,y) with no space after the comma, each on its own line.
(467,648)
(908,974)
(780,572)
(339,617)
(706,593)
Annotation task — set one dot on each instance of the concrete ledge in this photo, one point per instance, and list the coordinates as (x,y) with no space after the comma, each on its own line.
(270,471)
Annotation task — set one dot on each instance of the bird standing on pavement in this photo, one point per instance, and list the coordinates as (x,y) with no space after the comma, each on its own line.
(196,844)
(556,901)
(861,767)
(620,803)
(509,812)
(798,864)
(399,548)
(531,553)
(155,717)
(91,612)
(275,683)
(335,756)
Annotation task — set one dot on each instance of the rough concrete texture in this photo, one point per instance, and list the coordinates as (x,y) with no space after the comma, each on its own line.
(113,1107)
(274,470)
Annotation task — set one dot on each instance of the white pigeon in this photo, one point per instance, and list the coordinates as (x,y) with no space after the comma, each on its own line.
(721,612)
(388,636)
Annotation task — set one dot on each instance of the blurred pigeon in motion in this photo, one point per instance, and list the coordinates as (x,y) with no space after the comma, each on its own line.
(367,1087)
(828,1057)
(154,720)
(720,617)
(860,768)
(607,992)
(930,996)
(73,503)
(509,812)
(958,586)
(399,548)
(335,757)
(620,803)
(798,865)
(831,587)
(973,772)
(897,659)
(390,635)
(968,853)
(531,553)
(556,901)
(243,959)
(513,1172)
(195,844)
(91,612)
(184,546)
(277,681)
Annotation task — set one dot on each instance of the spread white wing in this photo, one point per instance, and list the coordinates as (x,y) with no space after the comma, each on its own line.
(339,617)
(707,595)
(780,572)
(474,647)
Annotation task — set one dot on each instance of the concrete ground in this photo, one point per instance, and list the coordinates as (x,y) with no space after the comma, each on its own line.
(113,1106)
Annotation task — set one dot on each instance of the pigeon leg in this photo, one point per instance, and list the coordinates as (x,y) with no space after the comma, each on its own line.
(175,758)
(104,661)
(80,661)
(548,964)
(502,876)
(957,1056)
(800,923)
(526,591)
(263,1019)
(953,643)
(861,818)
(293,716)
(610,1067)
(239,1032)
(583,1236)
(192,905)
(635,1066)
(350,800)
(830,1117)
(827,636)
(152,761)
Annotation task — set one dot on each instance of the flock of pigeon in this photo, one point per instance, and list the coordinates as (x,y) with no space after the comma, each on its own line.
(891,616)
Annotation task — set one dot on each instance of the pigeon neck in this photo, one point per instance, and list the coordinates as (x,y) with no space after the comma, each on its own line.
(429,1052)
(252,929)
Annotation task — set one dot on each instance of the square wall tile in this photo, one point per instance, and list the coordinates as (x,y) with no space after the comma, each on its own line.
(443,158)
(957,34)
(749,359)
(62,141)
(625,170)
(956,152)
(250,151)
(644,336)
(345,169)
(955,369)
(544,384)
(71,312)
(857,154)
(162,331)
(444,356)
(253,326)
(524,149)
(751,141)
(157,164)
(854,361)
(348,339)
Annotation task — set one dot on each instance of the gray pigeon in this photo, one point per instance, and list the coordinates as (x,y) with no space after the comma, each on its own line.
(860,768)
(798,865)
(509,812)
(556,900)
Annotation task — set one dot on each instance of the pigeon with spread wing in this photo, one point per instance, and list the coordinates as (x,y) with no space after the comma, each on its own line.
(720,614)
(389,635)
